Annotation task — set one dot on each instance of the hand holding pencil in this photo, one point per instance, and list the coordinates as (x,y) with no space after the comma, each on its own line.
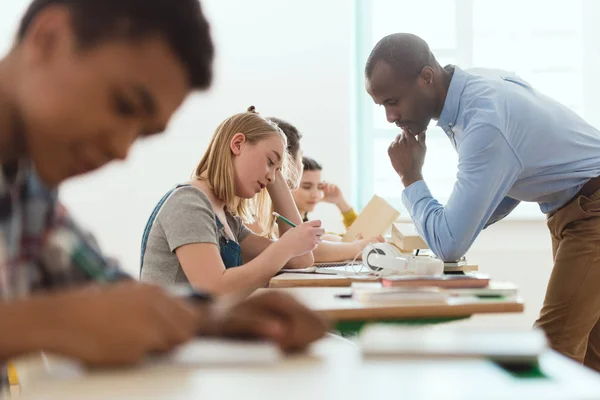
(302,238)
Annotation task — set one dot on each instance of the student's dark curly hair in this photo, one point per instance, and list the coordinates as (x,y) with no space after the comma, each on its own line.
(311,165)
(293,136)
(180,22)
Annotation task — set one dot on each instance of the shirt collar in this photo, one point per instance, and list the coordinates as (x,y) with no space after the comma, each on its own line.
(451,104)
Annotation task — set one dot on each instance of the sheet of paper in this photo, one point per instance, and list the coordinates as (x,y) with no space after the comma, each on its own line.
(211,352)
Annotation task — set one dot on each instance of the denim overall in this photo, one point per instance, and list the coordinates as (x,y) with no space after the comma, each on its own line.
(231,252)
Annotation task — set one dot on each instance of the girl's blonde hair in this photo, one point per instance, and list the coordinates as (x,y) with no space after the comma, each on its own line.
(262,205)
(216,166)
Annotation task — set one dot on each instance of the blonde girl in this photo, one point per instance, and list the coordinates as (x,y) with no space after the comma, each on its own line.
(196,232)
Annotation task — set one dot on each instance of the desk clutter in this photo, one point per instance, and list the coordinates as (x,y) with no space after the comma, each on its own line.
(385,259)
(429,289)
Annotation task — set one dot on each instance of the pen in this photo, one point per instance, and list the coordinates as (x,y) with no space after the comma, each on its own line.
(284,219)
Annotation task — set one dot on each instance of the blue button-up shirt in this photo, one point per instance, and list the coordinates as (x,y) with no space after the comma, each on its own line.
(514,144)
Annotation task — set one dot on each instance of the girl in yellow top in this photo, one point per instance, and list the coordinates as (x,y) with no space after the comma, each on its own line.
(313,190)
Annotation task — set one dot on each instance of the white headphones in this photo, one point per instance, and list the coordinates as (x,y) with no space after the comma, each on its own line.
(387,259)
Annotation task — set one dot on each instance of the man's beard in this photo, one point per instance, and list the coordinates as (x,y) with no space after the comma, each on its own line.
(418,127)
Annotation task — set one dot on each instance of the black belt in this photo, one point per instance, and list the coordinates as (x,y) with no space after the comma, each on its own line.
(590,187)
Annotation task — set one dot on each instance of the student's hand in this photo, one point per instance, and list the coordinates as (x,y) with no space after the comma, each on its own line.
(302,239)
(333,194)
(117,324)
(360,243)
(407,155)
(279,184)
(272,315)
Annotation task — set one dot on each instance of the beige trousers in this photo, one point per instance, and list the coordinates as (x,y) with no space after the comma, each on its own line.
(571,312)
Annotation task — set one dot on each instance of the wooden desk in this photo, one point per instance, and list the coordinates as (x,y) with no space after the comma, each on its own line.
(334,369)
(290,279)
(324,300)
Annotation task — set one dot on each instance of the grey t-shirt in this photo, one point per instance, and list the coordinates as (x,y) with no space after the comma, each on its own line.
(186,217)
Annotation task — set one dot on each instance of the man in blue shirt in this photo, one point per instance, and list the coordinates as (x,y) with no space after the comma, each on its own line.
(514,144)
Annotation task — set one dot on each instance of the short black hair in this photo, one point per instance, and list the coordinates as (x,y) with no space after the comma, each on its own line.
(406,53)
(311,165)
(180,22)
(292,134)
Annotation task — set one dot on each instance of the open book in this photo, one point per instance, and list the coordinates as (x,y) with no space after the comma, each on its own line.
(374,220)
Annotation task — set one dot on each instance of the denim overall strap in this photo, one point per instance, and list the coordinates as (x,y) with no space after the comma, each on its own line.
(231,252)
(151,222)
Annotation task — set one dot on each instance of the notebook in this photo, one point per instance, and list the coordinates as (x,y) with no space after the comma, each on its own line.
(400,296)
(461,262)
(511,347)
(374,220)
(444,281)
(494,289)
(323,268)
(308,270)
(337,264)
(448,265)
(346,270)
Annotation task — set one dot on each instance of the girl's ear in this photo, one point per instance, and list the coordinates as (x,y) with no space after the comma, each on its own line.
(236,144)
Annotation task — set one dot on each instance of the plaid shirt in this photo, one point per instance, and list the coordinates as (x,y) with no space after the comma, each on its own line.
(40,245)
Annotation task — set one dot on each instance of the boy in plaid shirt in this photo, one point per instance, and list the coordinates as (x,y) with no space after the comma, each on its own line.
(84,80)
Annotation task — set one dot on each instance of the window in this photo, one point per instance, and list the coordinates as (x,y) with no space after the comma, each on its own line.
(550,43)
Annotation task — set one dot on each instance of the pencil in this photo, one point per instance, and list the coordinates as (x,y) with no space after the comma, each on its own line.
(284,219)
